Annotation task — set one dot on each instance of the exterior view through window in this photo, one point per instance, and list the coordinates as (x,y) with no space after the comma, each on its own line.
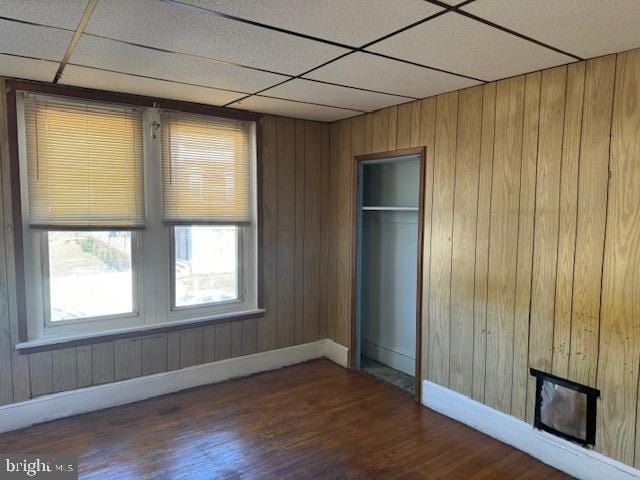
(90,274)
(206,265)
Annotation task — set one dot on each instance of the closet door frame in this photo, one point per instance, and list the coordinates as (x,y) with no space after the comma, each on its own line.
(358,159)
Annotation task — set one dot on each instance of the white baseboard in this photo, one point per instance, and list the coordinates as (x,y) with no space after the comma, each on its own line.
(561,454)
(336,353)
(73,402)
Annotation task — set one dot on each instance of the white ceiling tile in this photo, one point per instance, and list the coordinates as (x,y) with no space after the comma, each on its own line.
(350,22)
(61,13)
(322,93)
(125,58)
(584,28)
(185,29)
(117,82)
(386,75)
(289,108)
(27,68)
(459,44)
(33,41)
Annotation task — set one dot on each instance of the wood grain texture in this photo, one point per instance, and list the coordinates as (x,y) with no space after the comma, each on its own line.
(128,358)
(380,135)
(41,373)
(441,232)
(191,347)
(592,216)
(464,239)
(485,178)
(153,354)
(525,245)
(325,232)
(236,339)
(285,329)
(249,336)
(223,341)
(103,363)
(567,221)
(65,371)
(392,137)
(312,214)
(365,430)
(428,110)
(209,342)
(173,350)
(299,260)
(332,201)
(620,314)
(84,365)
(545,251)
(269,225)
(503,242)
(404,126)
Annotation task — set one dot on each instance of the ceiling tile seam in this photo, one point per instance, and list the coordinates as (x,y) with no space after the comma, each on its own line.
(191,55)
(34,24)
(428,67)
(266,26)
(84,20)
(515,33)
(148,77)
(308,103)
(28,57)
(379,92)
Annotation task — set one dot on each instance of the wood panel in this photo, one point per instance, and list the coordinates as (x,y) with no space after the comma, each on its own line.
(300,227)
(209,342)
(325,232)
(503,242)
(173,350)
(525,245)
(380,135)
(545,252)
(84,365)
(222,336)
(191,347)
(332,201)
(464,239)
(285,329)
(103,363)
(392,137)
(41,373)
(65,371)
(428,108)
(591,221)
(441,232)
(485,177)
(128,358)
(154,354)
(620,314)
(249,336)
(312,214)
(269,227)
(567,221)
(403,134)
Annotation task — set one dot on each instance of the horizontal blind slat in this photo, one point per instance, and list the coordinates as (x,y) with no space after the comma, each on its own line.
(206,169)
(84,164)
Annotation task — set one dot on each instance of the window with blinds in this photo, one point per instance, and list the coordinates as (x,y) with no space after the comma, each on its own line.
(206,169)
(84,164)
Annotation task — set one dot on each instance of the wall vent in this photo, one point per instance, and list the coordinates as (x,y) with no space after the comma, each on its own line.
(565,408)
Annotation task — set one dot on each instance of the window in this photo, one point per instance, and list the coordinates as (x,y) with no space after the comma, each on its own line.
(133,216)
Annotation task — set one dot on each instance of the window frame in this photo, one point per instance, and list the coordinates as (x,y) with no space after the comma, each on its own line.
(149,314)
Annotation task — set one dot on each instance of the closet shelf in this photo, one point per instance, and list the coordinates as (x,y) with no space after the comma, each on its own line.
(390,209)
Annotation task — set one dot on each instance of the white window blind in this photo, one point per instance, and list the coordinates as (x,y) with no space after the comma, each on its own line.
(84,164)
(206,169)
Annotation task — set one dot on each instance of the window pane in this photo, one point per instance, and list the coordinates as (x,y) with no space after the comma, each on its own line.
(90,274)
(206,264)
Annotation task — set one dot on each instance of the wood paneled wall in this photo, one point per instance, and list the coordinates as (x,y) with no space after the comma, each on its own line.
(295,183)
(532,235)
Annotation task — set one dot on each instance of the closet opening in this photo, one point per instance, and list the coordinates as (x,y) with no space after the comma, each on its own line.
(386,322)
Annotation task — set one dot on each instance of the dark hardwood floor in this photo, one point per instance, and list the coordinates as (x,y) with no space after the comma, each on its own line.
(309,421)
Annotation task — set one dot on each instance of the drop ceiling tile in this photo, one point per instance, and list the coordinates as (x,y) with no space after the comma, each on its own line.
(584,28)
(33,41)
(322,93)
(386,75)
(288,108)
(61,13)
(350,22)
(175,27)
(125,58)
(27,68)
(117,82)
(459,44)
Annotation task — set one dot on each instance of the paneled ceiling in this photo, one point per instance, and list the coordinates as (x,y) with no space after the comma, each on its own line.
(316,59)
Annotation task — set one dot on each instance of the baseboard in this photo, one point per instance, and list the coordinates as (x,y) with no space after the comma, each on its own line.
(73,402)
(561,454)
(392,358)
(336,353)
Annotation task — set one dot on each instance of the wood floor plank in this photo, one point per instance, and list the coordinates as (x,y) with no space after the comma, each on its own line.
(313,420)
